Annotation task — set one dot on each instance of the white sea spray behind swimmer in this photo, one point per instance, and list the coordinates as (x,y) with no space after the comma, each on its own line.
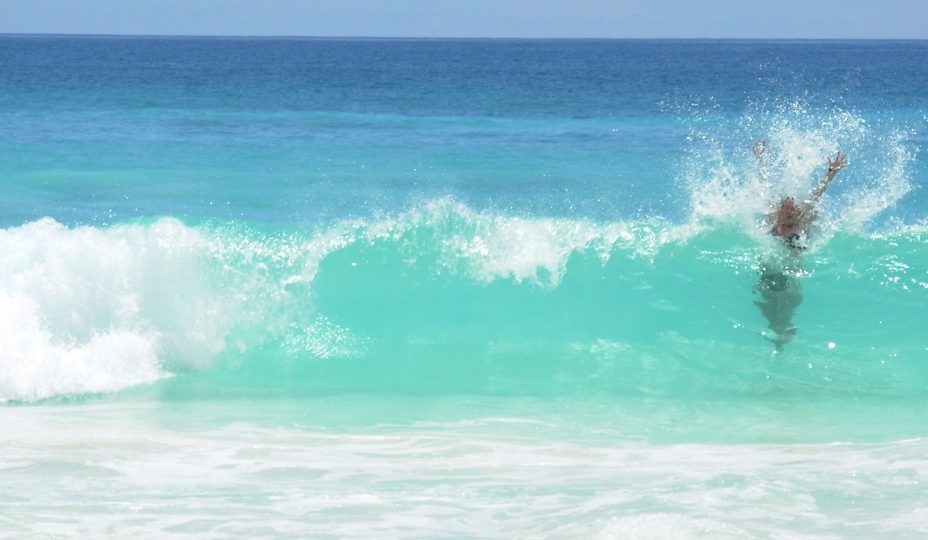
(887,184)
(726,185)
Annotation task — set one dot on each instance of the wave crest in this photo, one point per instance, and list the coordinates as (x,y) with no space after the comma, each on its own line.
(102,309)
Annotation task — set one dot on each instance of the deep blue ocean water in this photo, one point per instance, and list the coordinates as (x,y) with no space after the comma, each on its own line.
(460,288)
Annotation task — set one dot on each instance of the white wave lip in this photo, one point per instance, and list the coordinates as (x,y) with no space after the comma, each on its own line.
(533,250)
(98,310)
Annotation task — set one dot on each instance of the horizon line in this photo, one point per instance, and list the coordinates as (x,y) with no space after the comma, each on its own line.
(439,38)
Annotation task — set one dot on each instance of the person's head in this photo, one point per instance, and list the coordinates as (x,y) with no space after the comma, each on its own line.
(788,213)
(786,218)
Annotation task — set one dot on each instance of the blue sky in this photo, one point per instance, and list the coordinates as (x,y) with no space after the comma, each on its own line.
(867,19)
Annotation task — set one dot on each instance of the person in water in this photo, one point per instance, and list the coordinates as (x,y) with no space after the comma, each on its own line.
(790,221)
(778,285)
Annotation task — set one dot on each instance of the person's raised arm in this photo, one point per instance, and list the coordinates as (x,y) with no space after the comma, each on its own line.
(760,149)
(834,165)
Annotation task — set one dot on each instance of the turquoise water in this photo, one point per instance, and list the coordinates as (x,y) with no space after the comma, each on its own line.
(443,288)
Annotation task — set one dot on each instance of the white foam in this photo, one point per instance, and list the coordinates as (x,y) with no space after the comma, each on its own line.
(883,190)
(35,365)
(534,250)
(93,310)
(658,526)
(520,474)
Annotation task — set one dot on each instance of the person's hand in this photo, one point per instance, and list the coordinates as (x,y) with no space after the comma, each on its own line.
(760,147)
(838,163)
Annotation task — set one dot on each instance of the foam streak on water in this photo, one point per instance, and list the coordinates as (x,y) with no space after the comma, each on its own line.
(446,480)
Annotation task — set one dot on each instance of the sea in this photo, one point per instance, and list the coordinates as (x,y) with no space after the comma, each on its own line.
(461,288)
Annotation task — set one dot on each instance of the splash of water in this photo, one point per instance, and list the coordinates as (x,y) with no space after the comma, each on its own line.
(726,184)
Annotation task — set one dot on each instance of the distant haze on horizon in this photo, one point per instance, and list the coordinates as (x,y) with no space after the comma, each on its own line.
(786,19)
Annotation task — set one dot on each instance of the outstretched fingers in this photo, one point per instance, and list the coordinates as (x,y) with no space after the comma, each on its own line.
(839,162)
